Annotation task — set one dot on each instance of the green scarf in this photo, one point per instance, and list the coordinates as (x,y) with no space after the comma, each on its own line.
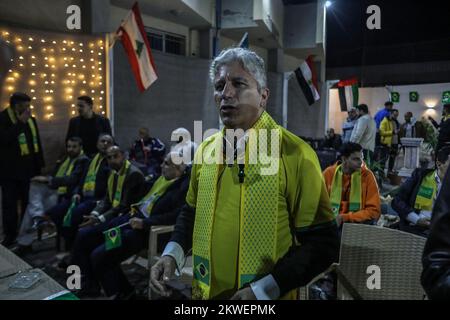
(158,189)
(65,169)
(116,195)
(355,191)
(259,210)
(22,138)
(91,176)
(427,191)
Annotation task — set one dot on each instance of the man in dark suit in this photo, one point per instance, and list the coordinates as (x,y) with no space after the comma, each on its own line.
(88,125)
(21,158)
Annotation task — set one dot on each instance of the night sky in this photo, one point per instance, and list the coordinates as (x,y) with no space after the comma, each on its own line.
(411,31)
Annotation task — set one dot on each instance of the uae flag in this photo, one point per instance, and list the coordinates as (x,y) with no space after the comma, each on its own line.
(348,93)
(307,79)
(137,47)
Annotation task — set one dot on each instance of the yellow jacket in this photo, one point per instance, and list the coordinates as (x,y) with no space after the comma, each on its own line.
(386,131)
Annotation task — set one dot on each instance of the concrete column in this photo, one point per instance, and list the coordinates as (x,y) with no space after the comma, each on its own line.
(275,60)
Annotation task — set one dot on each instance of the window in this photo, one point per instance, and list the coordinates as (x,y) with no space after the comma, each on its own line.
(166,42)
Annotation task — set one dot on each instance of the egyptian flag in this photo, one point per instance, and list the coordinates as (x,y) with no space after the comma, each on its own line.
(348,93)
(307,79)
(137,47)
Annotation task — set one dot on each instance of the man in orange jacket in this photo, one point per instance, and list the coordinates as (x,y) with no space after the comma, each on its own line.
(352,187)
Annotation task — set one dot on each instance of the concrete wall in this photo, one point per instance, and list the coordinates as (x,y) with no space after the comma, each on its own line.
(429,94)
(205,8)
(300,26)
(181,95)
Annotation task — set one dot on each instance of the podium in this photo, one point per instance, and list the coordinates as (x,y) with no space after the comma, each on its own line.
(412,156)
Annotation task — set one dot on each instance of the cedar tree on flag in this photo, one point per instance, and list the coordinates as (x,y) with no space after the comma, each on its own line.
(137,47)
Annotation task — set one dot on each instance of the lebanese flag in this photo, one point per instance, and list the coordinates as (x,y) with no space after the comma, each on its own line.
(137,47)
(348,93)
(307,79)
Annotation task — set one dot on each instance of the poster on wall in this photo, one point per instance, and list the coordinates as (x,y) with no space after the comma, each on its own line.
(413,96)
(395,97)
(446,97)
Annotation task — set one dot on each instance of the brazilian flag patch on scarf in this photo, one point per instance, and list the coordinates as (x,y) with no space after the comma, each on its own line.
(113,238)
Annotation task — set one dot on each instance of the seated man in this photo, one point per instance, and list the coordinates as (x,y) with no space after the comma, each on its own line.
(415,199)
(332,140)
(148,153)
(160,206)
(47,191)
(352,188)
(92,188)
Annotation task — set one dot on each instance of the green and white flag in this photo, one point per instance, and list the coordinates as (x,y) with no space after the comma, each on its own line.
(113,238)
(446,97)
(413,96)
(68,217)
(395,97)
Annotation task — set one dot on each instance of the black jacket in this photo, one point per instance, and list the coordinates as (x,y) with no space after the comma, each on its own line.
(403,202)
(14,166)
(166,209)
(133,187)
(101,180)
(436,255)
(73,180)
(444,134)
(102,125)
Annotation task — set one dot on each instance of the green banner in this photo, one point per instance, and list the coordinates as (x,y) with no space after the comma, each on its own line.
(113,238)
(395,97)
(446,97)
(413,96)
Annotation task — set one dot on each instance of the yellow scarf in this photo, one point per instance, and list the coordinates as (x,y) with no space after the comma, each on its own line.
(116,195)
(91,176)
(259,209)
(65,169)
(23,143)
(427,192)
(158,189)
(355,191)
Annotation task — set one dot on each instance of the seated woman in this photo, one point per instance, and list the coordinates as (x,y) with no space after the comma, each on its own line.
(352,188)
(415,199)
(99,259)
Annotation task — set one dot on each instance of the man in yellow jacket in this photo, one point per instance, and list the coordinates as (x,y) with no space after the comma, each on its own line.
(387,134)
(258,229)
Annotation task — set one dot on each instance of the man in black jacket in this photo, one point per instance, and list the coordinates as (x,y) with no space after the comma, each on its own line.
(21,158)
(417,195)
(436,255)
(88,125)
(47,191)
(92,188)
(160,206)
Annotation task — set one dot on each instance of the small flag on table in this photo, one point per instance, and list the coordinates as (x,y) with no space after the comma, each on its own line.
(413,96)
(348,93)
(446,97)
(307,79)
(68,217)
(137,47)
(395,97)
(113,238)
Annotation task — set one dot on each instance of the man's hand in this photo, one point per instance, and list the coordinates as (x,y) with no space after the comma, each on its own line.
(76,198)
(137,223)
(244,294)
(339,220)
(24,116)
(89,220)
(40,179)
(423,222)
(161,273)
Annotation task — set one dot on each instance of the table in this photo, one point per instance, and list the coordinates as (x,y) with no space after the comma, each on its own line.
(45,289)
